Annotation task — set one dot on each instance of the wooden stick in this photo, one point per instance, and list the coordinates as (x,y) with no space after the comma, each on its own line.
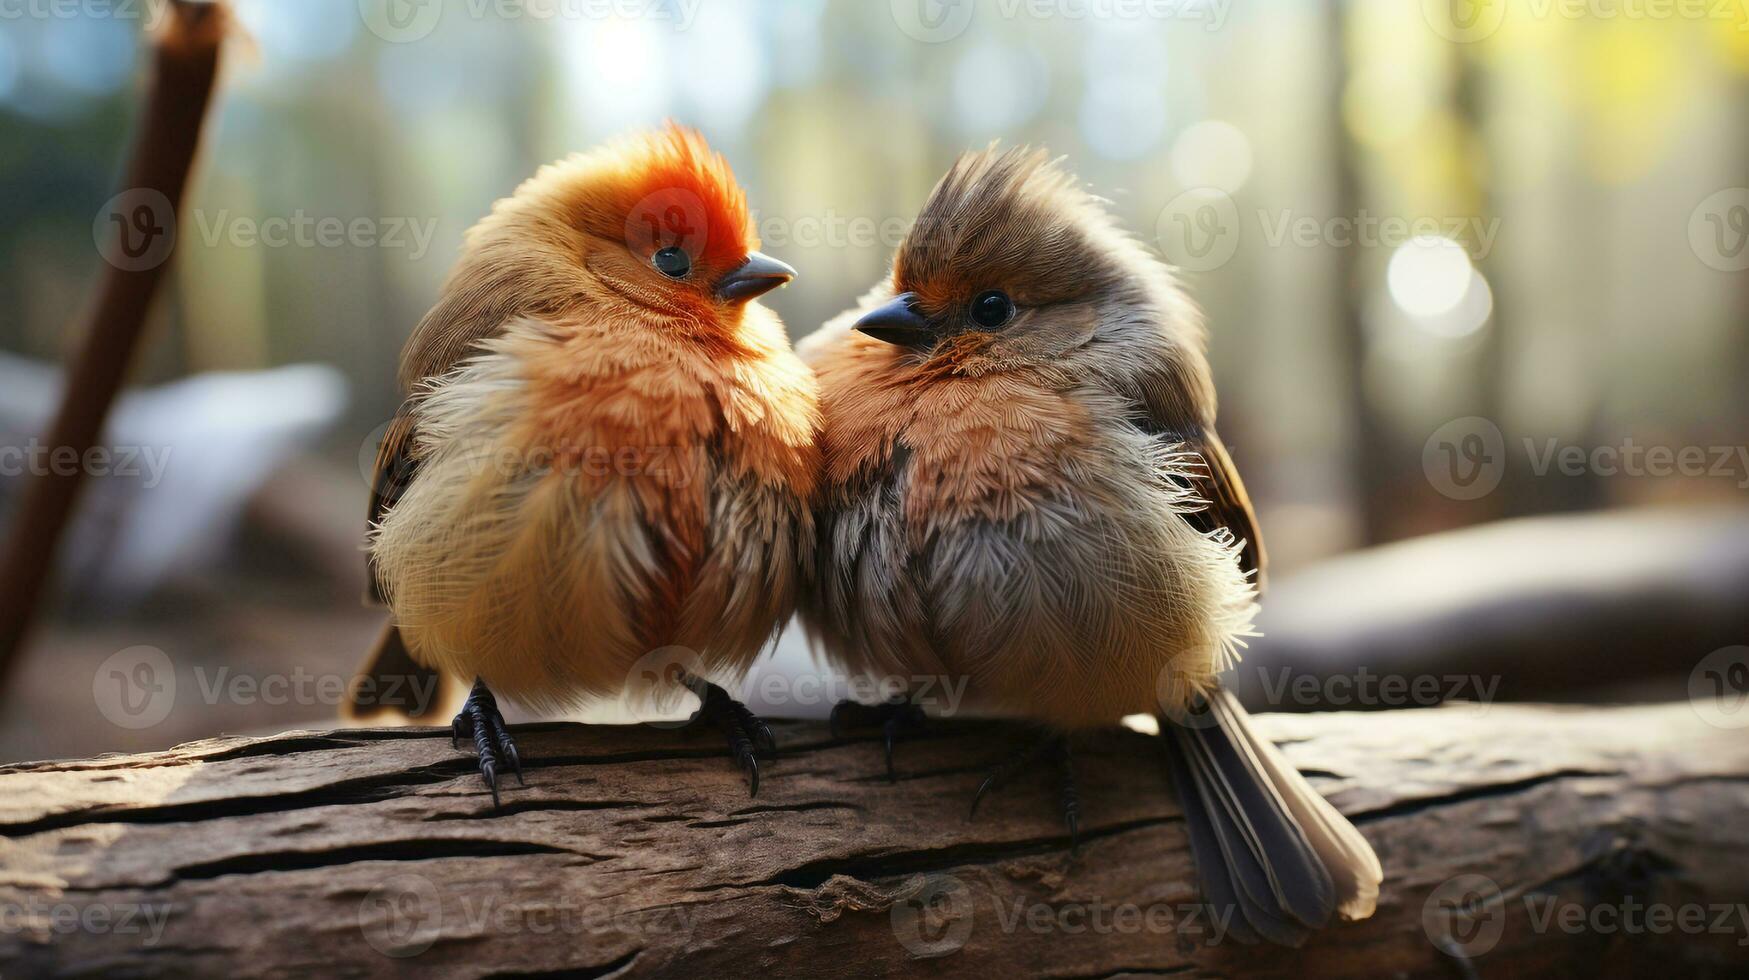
(1516,841)
(137,237)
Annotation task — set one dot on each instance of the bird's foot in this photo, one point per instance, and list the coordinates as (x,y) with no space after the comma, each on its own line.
(747,733)
(1054,747)
(895,718)
(481,721)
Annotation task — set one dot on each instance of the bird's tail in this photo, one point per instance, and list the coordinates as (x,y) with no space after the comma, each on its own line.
(391,685)
(1270,850)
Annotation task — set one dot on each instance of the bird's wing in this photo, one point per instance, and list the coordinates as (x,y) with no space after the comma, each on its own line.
(395,466)
(1229,506)
(468,313)
(1171,407)
(475,306)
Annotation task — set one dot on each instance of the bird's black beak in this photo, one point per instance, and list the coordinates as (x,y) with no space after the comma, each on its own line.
(759,275)
(898,323)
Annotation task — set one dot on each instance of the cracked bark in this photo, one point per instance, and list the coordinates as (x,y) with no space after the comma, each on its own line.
(635,852)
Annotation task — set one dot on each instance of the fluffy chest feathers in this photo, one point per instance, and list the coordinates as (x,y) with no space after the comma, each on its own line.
(586,495)
(991,447)
(604,385)
(1016,530)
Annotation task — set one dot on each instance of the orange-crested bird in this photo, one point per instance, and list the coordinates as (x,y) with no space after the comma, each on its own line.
(1023,491)
(607,450)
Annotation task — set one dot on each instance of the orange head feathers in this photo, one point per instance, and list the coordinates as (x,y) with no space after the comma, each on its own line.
(651,227)
(672,189)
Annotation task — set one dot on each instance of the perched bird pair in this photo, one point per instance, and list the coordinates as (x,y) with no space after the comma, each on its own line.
(1011,475)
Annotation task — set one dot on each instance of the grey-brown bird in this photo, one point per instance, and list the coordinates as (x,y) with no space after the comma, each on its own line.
(1023,488)
(607,452)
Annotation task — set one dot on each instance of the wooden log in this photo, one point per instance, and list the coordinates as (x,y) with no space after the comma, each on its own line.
(1514,840)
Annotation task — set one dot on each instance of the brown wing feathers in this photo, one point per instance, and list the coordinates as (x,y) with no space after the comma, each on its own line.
(389,667)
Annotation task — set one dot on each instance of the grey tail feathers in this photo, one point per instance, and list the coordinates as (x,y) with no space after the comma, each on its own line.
(1267,846)
(390,682)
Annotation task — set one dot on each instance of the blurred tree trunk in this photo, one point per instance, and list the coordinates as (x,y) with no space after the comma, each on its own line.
(1369,452)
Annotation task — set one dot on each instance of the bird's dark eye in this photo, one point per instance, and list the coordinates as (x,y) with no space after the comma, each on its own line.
(992,308)
(672,262)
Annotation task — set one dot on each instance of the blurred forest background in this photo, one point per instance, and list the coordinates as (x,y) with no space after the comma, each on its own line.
(1396,214)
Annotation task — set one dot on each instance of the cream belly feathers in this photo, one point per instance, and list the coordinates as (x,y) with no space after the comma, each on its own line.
(585,497)
(984,526)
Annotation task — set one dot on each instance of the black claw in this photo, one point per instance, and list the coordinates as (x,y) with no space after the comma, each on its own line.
(491,773)
(1057,745)
(978,797)
(755,727)
(747,733)
(895,718)
(751,765)
(481,721)
(1070,795)
(507,749)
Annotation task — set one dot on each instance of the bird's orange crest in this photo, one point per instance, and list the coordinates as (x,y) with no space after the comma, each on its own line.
(680,192)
